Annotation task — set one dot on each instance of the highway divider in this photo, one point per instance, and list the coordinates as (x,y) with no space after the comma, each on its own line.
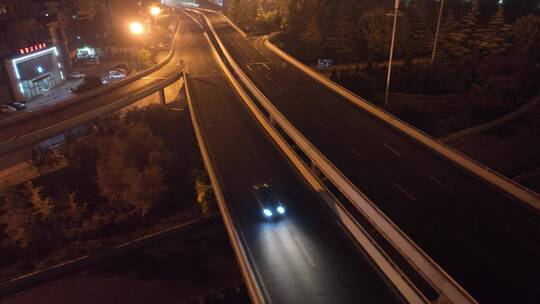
(448,289)
(250,277)
(92,94)
(30,138)
(385,264)
(506,185)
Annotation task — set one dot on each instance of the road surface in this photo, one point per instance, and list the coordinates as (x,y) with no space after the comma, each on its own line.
(486,241)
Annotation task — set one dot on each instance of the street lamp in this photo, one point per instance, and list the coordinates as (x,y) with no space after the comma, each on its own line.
(155,10)
(438,32)
(136,28)
(389,76)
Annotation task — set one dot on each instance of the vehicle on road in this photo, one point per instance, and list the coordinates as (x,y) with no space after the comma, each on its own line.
(270,204)
(89,83)
(117,74)
(76,75)
(6,109)
(19,106)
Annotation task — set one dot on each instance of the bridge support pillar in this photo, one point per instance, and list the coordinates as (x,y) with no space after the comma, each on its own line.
(162,96)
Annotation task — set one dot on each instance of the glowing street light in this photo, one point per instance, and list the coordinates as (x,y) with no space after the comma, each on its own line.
(155,10)
(136,28)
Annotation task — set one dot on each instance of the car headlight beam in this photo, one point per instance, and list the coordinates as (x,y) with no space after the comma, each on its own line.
(281,210)
(267,212)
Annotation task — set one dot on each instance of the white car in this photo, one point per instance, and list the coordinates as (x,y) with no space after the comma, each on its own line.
(76,75)
(5,109)
(115,74)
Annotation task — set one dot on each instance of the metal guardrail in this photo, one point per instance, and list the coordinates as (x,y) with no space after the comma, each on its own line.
(92,94)
(440,280)
(250,277)
(30,138)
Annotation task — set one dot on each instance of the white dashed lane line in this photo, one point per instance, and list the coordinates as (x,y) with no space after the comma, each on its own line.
(402,190)
(357,154)
(443,185)
(391,149)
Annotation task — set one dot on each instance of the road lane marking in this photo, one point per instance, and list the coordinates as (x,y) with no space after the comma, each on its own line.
(268,77)
(352,122)
(232,130)
(442,184)
(281,89)
(266,66)
(355,152)
(391,149)
(249,68)
(410,196)
(304,250)
(323,125)
(296,102)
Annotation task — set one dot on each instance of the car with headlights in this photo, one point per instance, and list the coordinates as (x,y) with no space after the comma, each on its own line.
(271,206)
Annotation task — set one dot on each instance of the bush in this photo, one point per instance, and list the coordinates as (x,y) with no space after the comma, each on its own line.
(501,93)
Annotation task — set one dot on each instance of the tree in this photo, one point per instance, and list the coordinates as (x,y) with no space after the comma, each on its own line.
(129,169)
(339,40)
(498,31)
(43,207)
(374,28)
(421,32)
(448,28)
(526,33)
(311,38)
(466,40)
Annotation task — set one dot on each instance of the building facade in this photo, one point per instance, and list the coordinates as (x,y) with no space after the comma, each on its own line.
(32,63)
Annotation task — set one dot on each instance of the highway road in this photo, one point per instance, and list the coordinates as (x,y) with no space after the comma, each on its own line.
(305,258)
(13,131)
(485,240)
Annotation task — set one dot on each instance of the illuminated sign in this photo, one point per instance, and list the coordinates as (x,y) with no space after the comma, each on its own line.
(33,48)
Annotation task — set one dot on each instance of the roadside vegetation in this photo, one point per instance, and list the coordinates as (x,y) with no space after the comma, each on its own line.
(126,174)
(487,61)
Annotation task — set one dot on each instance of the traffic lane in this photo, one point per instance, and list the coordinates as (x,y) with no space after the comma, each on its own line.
(486,237)
(306,258)
(518,229)
(14,131)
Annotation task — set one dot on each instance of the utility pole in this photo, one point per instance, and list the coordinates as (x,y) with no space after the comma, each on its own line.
(389,76)
(437,32)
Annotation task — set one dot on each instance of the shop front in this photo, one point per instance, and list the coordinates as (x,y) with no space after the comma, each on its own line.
(37,70)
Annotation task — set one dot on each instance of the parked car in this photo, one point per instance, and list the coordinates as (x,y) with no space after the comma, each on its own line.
(117,74)
(268,201)
(89,83)
(76,75)
(19,106)
(6,109)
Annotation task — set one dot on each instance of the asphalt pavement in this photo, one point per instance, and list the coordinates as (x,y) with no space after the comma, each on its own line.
(306,257)
(484,239)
